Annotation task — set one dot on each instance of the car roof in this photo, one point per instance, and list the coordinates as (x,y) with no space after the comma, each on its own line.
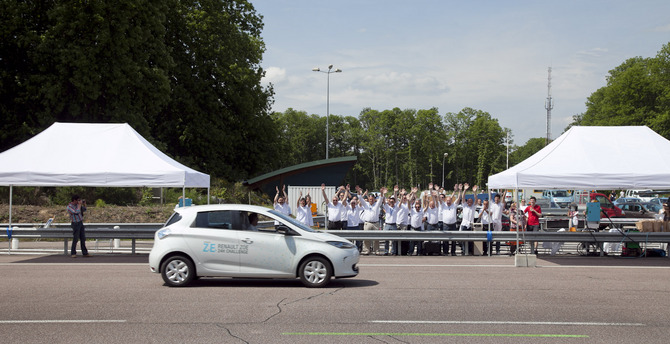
(215,207)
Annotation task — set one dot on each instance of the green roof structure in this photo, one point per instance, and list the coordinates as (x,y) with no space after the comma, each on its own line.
(313,173)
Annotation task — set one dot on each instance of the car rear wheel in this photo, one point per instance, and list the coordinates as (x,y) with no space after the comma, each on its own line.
(177,271)
(315,272)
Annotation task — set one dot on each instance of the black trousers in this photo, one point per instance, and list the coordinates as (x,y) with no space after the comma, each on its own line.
(78,234)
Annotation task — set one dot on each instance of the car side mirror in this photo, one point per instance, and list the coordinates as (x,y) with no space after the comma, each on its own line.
(282,229)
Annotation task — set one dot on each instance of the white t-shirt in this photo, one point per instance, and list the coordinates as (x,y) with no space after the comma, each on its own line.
(282,208)
(448,213)
(431,215)
(353,215)
(335,211)
(468,214)
(303,215)
(403,214)
(391,214)
(415,218)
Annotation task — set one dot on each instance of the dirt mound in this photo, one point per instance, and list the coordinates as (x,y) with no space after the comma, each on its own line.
(107,214)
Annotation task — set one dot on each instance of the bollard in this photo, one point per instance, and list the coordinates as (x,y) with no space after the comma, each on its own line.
(15,243)
(117,242)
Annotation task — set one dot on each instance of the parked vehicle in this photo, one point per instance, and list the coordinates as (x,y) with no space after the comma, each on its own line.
(622,200)
(558,198)
(638,210)
(606,205)
(224,240)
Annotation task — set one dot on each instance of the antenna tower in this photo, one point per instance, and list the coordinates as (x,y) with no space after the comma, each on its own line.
(549,104)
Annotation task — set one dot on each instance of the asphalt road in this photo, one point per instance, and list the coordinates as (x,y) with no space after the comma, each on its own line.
(115,299)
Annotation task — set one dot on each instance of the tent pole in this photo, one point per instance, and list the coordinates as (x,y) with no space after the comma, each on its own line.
(9,228)
(207,195)
(183,195)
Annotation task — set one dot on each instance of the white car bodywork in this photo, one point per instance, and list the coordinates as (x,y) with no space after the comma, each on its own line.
(219,242)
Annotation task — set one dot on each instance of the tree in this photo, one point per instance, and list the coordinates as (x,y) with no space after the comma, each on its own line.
(185,74)
(522,153)
(637,93)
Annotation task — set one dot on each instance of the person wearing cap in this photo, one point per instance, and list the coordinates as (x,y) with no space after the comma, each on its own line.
(390,221)
(370,219)
(665,212)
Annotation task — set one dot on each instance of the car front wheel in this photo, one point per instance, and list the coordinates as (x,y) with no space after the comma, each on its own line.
(177,271)
(315,272)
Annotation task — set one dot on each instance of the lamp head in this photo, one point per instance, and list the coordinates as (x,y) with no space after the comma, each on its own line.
(330,67)
(317,69)
(338,71)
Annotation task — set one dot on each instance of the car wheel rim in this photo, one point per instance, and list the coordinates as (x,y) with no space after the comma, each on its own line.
(315,272)
(177,271)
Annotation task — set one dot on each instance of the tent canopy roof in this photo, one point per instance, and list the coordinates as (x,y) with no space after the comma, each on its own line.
(87,154)
(625,157)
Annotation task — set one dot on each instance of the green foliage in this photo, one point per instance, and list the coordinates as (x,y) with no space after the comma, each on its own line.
(637,93)
(99,203)
(522,153)
(184,74)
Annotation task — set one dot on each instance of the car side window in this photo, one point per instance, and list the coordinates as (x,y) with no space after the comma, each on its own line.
(224,219)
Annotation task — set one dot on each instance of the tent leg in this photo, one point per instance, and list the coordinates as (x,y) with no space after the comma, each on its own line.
(9,228)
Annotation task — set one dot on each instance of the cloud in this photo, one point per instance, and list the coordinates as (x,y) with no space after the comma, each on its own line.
(662,28)
(274,75)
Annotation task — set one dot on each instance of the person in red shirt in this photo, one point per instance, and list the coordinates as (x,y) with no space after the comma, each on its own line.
(534,212)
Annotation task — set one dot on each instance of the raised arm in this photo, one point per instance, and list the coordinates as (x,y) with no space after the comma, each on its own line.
(323,192)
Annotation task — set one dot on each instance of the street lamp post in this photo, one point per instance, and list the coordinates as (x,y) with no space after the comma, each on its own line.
(330,67)
(444,157)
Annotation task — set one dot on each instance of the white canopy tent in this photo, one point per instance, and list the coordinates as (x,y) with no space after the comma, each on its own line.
(587,158)
(87,154)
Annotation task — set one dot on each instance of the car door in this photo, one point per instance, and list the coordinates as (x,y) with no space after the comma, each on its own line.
(214,242)
(268,254)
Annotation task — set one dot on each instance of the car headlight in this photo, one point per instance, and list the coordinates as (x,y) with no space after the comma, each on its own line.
(341,244)
(163,233)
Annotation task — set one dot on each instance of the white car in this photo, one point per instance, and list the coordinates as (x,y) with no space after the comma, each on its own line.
(224,241)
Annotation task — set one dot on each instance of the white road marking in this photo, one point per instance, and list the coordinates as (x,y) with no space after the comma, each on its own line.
(505,323)
(59,321)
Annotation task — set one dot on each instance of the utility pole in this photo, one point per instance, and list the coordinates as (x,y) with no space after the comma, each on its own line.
(549,105)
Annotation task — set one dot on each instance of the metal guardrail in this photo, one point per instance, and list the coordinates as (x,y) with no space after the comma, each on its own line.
(597,237)
(136,231)
(63,231)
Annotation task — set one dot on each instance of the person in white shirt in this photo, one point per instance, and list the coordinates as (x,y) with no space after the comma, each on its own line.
(353,211)
(335,208)
(402,220)
(448,210)
(281,203)
(390,221)
(468,218)
(370,218)
(486,219)
(497,209)
(416,219)
(303,210)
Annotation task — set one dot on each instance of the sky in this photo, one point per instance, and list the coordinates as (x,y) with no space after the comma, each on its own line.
(487,55)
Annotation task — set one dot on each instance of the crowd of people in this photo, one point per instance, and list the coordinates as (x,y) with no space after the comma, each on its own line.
(433,209)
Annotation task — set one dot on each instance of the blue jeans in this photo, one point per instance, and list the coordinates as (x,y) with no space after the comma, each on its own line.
(394,249)
(78,234)
(418,244)
(359,244)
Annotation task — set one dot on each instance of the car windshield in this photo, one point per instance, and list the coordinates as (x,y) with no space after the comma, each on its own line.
(291,220)
(561,193)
